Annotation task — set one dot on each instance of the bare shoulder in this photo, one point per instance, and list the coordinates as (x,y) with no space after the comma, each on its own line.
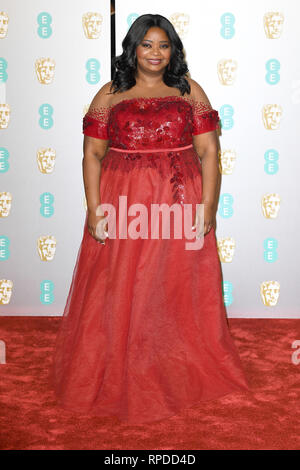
(103,97)
(197,92)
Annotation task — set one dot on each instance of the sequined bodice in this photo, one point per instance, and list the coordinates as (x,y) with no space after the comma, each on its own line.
(150,123)
(139,129)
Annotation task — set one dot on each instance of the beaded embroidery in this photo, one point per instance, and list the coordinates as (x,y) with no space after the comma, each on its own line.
(101,122)
(96,119)
(176,167)
(153,123)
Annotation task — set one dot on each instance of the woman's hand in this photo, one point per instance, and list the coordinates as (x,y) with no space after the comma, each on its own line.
(96,226)
(209,219)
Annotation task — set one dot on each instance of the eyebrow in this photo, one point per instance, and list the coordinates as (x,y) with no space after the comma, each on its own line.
(152,41)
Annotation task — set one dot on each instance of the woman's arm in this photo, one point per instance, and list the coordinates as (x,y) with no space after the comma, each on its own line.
(94,151)
(95,146)
(207,146)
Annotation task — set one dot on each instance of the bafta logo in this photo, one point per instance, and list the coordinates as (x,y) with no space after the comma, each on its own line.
(227,161)
(227,71)
(46,247)
(273,24)
(269,291)
(6,286)
(271,115)
(44,68)
(270,204)
(4,115)
(3,24)
(46,159)
(92,23)
(180,21)
(5,204)
(226,248)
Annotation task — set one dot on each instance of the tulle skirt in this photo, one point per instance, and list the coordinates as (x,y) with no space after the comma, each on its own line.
(144,332)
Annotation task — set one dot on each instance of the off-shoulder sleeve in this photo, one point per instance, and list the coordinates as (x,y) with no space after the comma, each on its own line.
(205,118)
(95,122)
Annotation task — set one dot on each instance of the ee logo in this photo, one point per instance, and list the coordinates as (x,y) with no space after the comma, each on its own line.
(270,250)
(47,289)
(46,200)
(44,20)
(271,158)
(45,112)
(131,18)
(225,206)
(4,248)
(226,115)
(227,293)
(227,21)
(272,76)
(3,67)
(4,163)
(92,75)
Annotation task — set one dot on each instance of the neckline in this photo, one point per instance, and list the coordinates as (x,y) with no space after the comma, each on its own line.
(147,98)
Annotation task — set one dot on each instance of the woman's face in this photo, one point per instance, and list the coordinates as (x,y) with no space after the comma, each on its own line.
(154,51)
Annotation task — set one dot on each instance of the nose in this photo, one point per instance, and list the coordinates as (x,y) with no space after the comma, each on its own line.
(156,50)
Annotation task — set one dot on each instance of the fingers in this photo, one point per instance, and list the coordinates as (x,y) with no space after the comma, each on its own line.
(207,227)
(201,229)
(99,236)
(101,230)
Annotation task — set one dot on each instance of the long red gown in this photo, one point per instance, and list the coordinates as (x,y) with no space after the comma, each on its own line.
(144,331)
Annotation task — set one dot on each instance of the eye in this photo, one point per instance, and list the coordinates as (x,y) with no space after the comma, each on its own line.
(145,45)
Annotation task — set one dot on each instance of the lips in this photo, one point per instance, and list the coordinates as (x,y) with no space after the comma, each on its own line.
(154,61)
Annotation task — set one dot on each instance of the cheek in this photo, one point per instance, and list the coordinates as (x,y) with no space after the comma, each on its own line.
(140,51)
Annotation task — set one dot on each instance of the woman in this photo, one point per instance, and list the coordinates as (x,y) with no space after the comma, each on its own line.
(144,332)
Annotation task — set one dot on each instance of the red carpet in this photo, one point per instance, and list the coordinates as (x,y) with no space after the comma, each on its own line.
(268,417)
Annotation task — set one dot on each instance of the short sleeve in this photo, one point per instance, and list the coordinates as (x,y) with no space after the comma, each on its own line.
(204,117)
(95,121)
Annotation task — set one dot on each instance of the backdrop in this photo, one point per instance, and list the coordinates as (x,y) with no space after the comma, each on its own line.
(56,55)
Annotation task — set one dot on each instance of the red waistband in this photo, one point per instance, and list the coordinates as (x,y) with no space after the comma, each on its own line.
(152,150)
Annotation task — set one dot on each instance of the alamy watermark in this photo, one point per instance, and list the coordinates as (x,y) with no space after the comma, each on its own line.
(184,223)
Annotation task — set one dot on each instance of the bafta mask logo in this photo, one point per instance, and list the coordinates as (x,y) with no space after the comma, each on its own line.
(46,159)
(46,247)
(6,286)
(270,204)
(5,204)
(227,71)
(271,114)
(4,115)
(269,291)
(273,24)
(181,22)
(227,161)
(45,68)
(3,24)
(92,23)
(226,248)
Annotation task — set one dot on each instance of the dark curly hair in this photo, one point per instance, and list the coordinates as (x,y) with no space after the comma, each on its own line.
(125,65)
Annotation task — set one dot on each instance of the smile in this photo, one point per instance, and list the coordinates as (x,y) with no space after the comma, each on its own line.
(154,61)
